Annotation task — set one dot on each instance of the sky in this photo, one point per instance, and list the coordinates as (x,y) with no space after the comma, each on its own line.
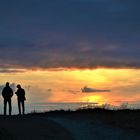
(54,48)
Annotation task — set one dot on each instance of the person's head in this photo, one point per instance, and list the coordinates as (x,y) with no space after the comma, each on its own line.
(7,84)
(18,86)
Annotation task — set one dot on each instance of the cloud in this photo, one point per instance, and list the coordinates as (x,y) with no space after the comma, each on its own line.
(7,70)
(73,91)
(90,90)
(69,34)
(37,94)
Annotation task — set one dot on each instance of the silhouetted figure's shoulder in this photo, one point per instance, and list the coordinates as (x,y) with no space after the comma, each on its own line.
(7,89)
(7,92)
(20,94)
(20,91)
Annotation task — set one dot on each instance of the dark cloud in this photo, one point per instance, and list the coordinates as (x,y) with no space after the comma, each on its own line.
(69,33)
(90,90)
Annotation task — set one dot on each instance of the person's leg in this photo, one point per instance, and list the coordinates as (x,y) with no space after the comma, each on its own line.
(5,103)
(19,108)
(10,106)
(23,108)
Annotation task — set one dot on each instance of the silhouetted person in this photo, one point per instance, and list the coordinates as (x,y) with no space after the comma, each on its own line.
(21,98)
(7,94)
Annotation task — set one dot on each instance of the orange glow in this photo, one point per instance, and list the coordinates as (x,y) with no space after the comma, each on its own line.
(93,98)
(66,85)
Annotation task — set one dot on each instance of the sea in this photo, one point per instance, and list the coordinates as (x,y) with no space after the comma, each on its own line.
(47,106)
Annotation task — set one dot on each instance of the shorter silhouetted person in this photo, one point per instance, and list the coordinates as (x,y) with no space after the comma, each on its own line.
(7,94)
(21,98)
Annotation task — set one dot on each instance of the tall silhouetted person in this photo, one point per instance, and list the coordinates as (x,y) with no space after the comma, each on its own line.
(7,94)
(21,98)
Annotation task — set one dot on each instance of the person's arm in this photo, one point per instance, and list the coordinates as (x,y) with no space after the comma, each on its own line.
(24,95)
(23,92)
(17,92)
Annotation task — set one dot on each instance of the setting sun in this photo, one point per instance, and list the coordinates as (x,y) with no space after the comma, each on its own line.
(94,98)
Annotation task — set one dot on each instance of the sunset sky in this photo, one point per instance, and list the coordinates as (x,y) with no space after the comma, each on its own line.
(55,48)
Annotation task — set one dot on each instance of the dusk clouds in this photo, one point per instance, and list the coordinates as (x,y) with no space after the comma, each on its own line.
(91,90)
(69,33)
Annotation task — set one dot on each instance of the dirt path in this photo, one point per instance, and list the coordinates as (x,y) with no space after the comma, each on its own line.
(83,129)
(59,127)
(31,128)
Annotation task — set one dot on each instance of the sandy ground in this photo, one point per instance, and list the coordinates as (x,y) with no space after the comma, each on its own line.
(64,126)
